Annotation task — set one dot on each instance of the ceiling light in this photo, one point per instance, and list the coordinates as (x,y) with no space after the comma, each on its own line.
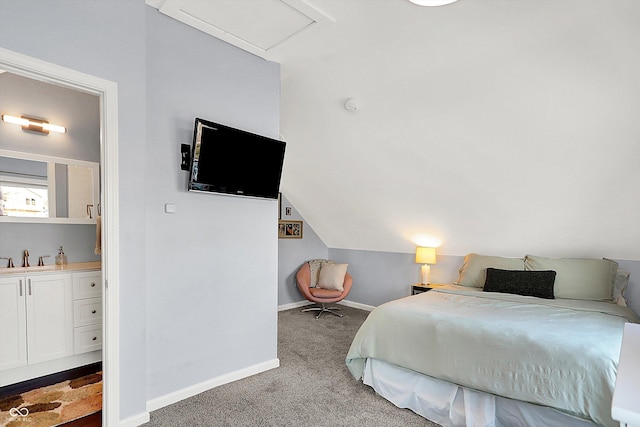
(33,124)
(432,2)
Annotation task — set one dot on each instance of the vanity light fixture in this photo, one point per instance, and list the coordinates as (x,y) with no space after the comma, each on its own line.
(425,256)
(33,124)
(432,2)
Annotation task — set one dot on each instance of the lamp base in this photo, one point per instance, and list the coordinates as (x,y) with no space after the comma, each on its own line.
(425,273)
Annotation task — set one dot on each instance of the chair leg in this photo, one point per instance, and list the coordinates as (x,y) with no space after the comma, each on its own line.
(323,309)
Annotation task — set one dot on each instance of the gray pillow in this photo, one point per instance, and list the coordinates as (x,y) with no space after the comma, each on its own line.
(314,269)
(473,270)
(578,278)
(619,286)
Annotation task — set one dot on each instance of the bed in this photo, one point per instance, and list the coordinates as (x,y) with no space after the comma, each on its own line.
(463,355)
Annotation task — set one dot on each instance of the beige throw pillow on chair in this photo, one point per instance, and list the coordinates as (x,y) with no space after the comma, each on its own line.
(332,276)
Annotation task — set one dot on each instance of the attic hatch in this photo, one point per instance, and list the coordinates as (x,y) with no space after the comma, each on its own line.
(260,27)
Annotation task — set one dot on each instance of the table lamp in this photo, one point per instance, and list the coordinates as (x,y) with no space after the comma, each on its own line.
(425,256)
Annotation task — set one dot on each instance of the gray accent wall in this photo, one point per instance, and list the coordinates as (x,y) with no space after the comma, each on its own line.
(211,267)
(198,288)
(380,277)
(292,253)
(78,242)
(80,113)
(104,39)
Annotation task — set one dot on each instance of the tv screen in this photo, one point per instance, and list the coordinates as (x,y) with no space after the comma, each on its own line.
(232,161)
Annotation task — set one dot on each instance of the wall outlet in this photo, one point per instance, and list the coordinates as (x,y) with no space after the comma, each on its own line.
(287,210)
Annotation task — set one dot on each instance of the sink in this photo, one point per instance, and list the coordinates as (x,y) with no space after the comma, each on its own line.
(41,268)
(52,267)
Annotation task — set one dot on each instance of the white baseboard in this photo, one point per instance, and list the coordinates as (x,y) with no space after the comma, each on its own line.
(24,373)
(176,396)
(343,302)
(136,420)
(357,305)
(293,305)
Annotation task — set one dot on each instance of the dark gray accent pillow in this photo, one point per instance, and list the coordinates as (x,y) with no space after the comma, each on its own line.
(530,283)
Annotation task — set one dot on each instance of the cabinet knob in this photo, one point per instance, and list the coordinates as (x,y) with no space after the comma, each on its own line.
(94,338)
(93,312)
(93,285)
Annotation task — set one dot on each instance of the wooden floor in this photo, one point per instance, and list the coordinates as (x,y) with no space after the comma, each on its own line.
(47,380)
(93,420)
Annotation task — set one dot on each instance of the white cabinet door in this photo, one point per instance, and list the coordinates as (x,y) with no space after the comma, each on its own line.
(13,333)
(49,317)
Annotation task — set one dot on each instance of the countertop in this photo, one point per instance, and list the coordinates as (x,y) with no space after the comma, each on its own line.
(74,266)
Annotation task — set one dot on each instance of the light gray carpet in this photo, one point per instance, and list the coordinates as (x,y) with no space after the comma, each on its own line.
(312,386)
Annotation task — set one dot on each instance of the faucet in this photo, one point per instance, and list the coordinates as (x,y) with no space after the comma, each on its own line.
(25,259)
(10,261)
(41,261)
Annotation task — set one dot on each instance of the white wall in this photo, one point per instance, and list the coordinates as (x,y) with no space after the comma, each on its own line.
(498,127)
(211,268)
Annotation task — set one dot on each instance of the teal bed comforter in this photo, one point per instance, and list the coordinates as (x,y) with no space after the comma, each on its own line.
(557,353)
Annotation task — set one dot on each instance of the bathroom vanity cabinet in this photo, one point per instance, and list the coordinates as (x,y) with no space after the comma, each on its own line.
(87,311)
(49,317)
(37,318)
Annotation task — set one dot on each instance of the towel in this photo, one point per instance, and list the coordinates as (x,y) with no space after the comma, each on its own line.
(98,249)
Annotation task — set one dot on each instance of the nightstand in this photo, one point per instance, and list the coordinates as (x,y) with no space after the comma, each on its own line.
(419,288)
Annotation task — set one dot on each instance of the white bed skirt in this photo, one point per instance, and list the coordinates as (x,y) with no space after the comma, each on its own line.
(451,405)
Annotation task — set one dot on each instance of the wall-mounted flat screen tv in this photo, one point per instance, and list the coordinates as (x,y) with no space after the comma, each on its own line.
(233,161)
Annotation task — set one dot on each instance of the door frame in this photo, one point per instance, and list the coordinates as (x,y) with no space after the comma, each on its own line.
(107,91)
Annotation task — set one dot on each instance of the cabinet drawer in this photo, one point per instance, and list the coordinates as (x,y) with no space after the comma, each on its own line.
(87,285)
(87,338)
(87,311)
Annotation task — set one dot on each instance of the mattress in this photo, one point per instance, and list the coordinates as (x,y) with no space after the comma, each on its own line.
(561,354)
(451,405)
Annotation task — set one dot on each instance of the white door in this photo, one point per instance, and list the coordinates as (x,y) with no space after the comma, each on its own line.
(49,317)
(13,321)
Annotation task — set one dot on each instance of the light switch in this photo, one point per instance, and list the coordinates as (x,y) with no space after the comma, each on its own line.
(169,208)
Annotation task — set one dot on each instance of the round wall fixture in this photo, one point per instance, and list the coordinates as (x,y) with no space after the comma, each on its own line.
(351,104)
(432,2)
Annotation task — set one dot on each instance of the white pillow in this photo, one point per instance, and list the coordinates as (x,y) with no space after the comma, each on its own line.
(473,272)
(332,276)
(578,278)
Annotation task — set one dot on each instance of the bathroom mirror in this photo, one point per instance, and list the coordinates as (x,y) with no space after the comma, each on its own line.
(36,188)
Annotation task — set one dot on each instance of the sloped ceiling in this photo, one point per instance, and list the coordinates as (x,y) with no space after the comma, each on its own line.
(491,126)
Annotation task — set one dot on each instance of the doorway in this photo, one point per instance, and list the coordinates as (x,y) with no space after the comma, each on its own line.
(106,91)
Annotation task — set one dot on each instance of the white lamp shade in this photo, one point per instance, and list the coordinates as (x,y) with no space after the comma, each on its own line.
(425,255)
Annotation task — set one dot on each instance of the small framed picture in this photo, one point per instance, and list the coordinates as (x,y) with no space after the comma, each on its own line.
(289,229)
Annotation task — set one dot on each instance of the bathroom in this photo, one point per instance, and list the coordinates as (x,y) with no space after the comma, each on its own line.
(65,217)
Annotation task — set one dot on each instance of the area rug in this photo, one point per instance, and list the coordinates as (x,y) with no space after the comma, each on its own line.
(53,405)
